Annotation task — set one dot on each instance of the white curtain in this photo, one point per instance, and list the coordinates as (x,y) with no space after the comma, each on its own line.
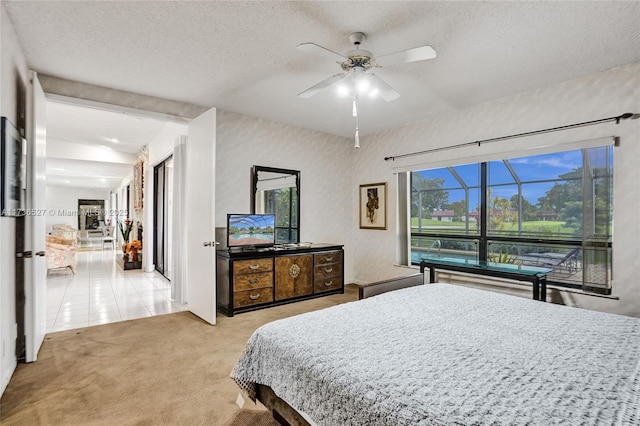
(179,245)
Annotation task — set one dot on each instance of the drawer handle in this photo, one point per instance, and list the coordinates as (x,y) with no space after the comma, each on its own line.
(328,283)
(328,258)
(254,296)
(328,270)
(254,267)
(254,281)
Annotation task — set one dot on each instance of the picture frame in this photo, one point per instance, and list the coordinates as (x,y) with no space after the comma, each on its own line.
(13,163)
(138,184)
(373,206)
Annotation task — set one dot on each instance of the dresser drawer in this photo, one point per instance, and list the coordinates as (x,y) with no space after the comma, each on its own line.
(250,281)
(327,284)
(320,272)
(327,257)
(252,297)
(252,266)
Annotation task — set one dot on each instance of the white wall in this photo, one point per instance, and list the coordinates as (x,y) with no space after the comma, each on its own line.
(13,83)
(601,95)
(62,199)
(325,166)
(161,146)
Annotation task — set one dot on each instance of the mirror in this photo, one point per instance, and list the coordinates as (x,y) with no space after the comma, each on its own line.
(277,191)
(90,214)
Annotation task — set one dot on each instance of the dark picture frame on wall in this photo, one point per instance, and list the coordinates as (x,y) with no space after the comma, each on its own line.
(373,206)
(13,155)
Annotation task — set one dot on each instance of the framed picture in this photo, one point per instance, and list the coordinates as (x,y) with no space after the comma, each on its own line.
(13,156)
(137,185)
(373,206)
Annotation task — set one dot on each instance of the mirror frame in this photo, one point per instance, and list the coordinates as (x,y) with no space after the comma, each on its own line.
(254,188)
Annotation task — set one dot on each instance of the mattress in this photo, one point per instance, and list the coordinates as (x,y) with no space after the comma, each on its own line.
(441,354)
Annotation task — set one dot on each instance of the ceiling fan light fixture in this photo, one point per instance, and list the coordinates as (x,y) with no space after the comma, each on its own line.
(363,86)
(342,90)
(357,79)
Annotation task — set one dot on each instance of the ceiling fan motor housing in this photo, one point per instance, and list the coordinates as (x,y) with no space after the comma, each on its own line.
(357,38)
(358,58)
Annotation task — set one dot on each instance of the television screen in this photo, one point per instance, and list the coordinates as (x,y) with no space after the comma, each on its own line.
(250,230)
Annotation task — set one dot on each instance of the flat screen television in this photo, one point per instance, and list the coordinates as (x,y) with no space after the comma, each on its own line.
(250,230)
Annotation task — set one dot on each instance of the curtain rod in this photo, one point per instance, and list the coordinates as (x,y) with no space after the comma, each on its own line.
(617,119)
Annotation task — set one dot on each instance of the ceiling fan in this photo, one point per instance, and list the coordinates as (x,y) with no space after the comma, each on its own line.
(358,65)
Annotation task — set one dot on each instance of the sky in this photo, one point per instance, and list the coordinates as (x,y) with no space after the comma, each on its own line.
(532,168)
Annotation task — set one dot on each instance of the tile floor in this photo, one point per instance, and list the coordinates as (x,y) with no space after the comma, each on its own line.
(101,292)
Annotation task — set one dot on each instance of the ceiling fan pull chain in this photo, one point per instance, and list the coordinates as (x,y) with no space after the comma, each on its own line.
(357,143)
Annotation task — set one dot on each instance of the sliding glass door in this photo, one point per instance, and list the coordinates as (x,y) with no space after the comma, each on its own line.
(162,217)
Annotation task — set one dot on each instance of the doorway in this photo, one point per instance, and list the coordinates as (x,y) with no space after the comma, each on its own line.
(163,217)
(105,143)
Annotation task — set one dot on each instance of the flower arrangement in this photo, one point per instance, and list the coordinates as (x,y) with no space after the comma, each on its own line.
(134,245)
(131,251)
(125,229)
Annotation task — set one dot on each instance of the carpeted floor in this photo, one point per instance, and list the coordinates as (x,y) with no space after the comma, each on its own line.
(169,369)
(254,418)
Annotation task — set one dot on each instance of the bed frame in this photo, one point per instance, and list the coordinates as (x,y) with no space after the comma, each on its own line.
(379,287)
(282,412)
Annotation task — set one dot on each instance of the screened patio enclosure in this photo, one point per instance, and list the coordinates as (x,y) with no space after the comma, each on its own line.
(551,210)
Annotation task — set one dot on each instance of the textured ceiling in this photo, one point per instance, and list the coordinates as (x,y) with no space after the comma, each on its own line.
(93,148)
(242,56)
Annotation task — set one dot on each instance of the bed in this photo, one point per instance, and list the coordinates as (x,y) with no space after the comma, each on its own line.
(442,354)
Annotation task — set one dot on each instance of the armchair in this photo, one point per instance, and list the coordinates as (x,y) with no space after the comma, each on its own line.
(60,254)
(65,232)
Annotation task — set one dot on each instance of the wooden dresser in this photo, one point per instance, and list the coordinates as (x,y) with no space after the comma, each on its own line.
(268,277)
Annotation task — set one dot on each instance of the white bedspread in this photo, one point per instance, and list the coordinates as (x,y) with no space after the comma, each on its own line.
(447,355)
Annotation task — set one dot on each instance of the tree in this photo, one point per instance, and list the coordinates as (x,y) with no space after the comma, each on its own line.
(566,199)
(562,193)
(429,192)
(528,211)
(572,215)
(500,212)
(459,209)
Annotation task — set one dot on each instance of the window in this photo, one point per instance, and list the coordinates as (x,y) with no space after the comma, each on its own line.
(551,210)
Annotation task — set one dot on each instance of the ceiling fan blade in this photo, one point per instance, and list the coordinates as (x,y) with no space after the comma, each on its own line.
(411,55)
(316,48)
(324,83)
(387,92)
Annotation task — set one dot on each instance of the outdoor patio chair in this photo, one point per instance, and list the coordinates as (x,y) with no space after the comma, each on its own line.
(566,263)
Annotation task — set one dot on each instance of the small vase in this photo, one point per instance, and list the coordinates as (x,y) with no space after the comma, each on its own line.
(124,248)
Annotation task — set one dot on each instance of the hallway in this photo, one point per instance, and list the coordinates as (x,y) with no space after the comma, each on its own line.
(101,292)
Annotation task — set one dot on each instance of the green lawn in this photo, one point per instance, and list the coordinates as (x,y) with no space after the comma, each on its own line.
(431,222)
(543,227)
